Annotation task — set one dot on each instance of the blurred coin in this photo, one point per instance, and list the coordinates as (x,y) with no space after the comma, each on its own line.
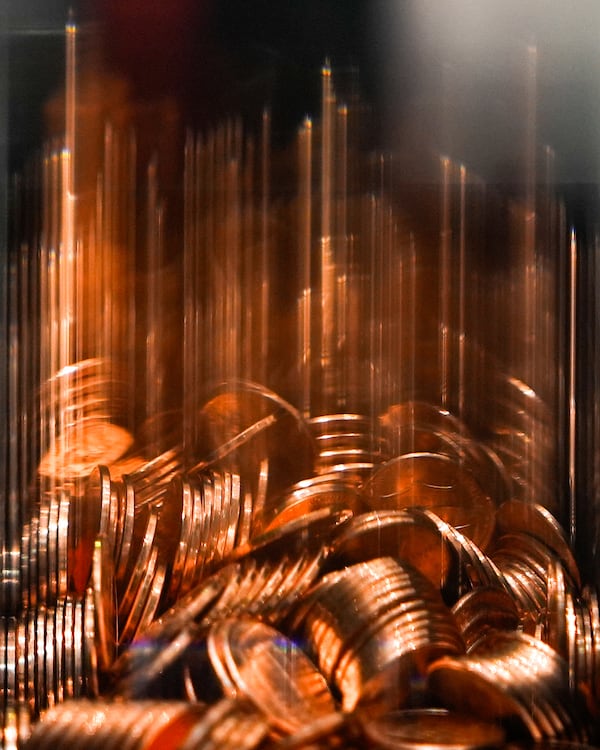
(105,606)
(89,443)
(534,519)
(323,491)
(428,480)
(314,530)
(244,424)
(432,728)
(482,609)
(269,670)
(394,533)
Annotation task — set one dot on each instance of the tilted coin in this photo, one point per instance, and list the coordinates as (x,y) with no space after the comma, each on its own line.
(404,416)
(510,674)
(556,626)
(532,518)
(135,613)
(314,530)
(90,518)
(394,533)
(105,604)
(227,725)
(429,480)
(482,609)
(140,569)
(322,491)
(244,424)
(269,670)
(76,453)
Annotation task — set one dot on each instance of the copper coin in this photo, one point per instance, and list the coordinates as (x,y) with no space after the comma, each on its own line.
(432,729)
(429,480)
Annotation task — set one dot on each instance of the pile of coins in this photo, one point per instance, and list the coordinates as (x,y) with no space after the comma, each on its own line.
(378,584)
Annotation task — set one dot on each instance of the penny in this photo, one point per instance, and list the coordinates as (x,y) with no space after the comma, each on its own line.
(270,671)
(76,453)
(427,728)
(105,605)
(485,608)
(434,481)
(532,518)
(395,533)
(244,424)
(308,495)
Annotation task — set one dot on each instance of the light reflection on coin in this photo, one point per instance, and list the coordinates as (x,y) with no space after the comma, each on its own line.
(268,669)
(395,533)
(76,453)
(434,481)
(244,424)
(532,518)
(308,495)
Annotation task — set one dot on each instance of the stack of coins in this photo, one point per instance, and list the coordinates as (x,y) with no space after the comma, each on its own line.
(150,724)
(258,663)
(512,676)
(348,444)
(373,627)
(49,655)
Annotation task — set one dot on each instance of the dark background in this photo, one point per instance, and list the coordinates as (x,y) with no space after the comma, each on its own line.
(451,74)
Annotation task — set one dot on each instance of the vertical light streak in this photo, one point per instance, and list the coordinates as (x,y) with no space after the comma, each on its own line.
(573,342)
(445,284)
(154,373)
(250,320)
(265,245)
(327,263)
(131,314)
(462,334)
(532,302)
(189,292)
(341,255)
(305,252)
(233,279)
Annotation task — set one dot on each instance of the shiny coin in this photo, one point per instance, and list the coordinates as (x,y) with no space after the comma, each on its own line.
(76,453)
(428,480)
(245,424)
(308,495)
(404,416)
(105,605)
(394,533)
(532,518)
(312,531)
(270,671)
(482,609)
